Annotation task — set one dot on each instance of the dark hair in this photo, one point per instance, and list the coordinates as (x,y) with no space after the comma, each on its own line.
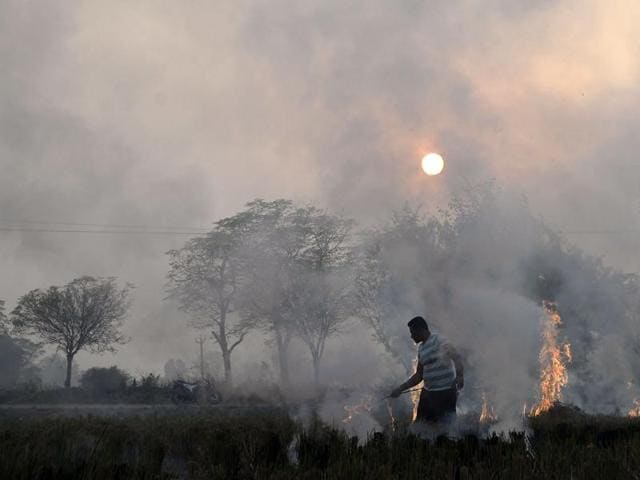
(418,323)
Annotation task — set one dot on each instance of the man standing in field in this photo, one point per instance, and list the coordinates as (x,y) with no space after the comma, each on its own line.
(440,367)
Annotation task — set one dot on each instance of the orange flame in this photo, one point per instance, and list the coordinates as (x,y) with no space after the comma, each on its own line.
(415,396)
(553,373)
(635,410)
(487,414)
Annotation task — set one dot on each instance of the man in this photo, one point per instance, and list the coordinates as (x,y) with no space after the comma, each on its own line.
(440,367)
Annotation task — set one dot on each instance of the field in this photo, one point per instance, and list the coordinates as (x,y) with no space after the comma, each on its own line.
(268,444)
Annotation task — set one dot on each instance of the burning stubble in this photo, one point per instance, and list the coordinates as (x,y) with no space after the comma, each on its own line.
(553,358)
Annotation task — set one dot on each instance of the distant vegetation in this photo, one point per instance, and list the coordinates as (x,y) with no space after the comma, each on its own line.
(97,385)
(292,272)
(85,314)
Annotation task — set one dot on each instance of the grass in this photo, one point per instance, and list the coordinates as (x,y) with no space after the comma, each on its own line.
(256,445)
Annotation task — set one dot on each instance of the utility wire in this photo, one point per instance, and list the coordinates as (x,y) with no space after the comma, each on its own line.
(167,230)
(41,226)
(104,225)
(599,232)
(113,232)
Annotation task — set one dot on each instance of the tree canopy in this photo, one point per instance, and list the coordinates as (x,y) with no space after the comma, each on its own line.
(85,314)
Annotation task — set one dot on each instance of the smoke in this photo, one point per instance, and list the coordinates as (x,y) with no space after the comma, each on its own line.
(176,114)
(499,331)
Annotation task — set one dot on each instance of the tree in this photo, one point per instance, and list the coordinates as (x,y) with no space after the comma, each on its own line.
(321,279)
(293,264)
(85,314)
(271,247)
(204,278)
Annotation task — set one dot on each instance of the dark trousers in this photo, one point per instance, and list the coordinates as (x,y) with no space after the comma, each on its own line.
(434,406)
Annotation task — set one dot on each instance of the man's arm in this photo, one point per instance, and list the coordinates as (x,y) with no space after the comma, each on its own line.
(414,380)
(457,362)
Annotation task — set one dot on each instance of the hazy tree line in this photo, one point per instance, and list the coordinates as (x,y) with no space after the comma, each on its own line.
(276,267)
(298,272)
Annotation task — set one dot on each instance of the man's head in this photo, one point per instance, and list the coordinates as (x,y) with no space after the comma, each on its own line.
(419,329)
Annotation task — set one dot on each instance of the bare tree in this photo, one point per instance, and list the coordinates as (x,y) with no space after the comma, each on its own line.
(204,278)
(87,313)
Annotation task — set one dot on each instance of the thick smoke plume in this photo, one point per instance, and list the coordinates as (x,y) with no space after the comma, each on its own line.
(124,117)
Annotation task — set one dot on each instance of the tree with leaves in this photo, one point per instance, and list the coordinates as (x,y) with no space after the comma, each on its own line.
(321,279)
(204,279)
(271,246)
(85,314)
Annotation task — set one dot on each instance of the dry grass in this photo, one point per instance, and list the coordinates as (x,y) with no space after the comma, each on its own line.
(258,445)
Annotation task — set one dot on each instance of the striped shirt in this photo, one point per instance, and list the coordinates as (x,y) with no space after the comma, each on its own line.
(438,370)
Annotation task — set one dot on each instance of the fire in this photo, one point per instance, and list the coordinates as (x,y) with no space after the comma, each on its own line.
(635,410)
(487,414)
(415,396)
(363,407)
(553,373)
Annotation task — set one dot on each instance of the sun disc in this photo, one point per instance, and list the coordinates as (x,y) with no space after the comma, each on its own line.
(432,164)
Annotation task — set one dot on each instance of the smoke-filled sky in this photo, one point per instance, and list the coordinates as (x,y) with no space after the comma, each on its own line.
(177,113)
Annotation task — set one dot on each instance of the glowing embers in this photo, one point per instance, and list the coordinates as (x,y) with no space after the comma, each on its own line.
(634,411)
(553,356)
(354,410)
(488,414)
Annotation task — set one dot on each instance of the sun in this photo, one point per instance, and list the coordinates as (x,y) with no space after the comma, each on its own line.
(432,164)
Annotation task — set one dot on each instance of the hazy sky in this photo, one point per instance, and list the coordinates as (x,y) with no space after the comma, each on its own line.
(175,113)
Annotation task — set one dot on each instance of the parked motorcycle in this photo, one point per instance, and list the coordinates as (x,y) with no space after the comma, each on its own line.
(202,393)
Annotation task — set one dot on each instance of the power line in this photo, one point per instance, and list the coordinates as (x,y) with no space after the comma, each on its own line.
(103,225)
(145,229)
(112,232)
(599,232)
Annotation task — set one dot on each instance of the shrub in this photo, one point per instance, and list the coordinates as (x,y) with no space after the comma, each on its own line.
(104,381)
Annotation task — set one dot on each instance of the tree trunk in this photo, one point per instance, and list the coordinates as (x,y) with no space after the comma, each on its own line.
(226,358)
(316,369)
(67,381)
(283,361)
(226,352)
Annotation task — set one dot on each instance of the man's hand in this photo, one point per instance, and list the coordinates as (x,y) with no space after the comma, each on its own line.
(459,382)
(396,392)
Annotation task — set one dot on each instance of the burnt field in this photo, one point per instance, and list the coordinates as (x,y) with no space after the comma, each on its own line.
(268,444)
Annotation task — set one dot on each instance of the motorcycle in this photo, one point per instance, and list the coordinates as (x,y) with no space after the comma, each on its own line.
(201,393)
